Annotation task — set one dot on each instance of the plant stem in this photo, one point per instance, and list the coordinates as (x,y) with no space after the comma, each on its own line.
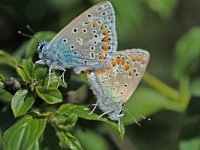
(170,92)
(184,91)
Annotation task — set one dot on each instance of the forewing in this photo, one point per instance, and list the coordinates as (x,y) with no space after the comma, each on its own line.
(92,35)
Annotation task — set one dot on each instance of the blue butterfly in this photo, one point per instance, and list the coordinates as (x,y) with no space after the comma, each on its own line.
(115,84)
(86,43)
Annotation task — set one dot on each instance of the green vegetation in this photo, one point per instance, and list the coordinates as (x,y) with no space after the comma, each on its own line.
(36,116)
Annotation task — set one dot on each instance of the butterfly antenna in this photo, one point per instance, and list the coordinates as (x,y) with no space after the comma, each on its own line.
(30,29)
(24,34)
(143,117)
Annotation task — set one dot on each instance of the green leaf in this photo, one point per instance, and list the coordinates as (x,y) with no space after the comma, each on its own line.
(32,45)
(83,112)
(49,95)
(63,121)
(54,80)
(7,59)
(187,54)
(1,84)
(72,119)
(25,71)
(24,134)
(144,102)
(69,122)
(1,81)
(5,96)
(68,140)
(22,73)
(22,101)
(190,144)
(28,68)
(1,77)
(36,146)
(164,8)
(50,139)
(40,72)
(88,137)
(195,87)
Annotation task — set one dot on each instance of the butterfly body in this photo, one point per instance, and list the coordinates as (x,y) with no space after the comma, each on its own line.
(114,85)
(86,43)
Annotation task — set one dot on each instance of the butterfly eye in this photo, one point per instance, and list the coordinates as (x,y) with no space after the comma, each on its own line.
(40,47)
(121,113)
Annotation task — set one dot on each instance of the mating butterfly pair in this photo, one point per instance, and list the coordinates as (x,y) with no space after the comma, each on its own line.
(89,43)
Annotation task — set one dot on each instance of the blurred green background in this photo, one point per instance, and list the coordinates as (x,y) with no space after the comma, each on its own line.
(170,95)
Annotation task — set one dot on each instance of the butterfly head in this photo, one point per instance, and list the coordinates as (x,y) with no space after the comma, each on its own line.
(41,47)
(116,114)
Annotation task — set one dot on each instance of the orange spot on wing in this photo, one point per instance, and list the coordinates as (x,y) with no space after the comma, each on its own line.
(143,61)
(106,39)
(118,61)
(122,62)
(102,57)
(113,63)
(101,71)
(105,32)
(87,22)
(127,67)
(103,27)
(129,73)
(95,24)
(134,58)
(105,47)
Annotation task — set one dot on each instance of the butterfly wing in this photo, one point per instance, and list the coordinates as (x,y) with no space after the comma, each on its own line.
(91,37)
(119,80)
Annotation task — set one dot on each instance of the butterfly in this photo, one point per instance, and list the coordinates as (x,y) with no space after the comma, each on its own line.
(86,43)
(115,84)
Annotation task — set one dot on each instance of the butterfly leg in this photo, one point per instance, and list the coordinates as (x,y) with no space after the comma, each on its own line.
(50,69)
(62,77)
(40,62)
(107,112)
(95,106)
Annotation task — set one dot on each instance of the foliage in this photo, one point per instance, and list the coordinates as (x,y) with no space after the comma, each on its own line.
(52,117)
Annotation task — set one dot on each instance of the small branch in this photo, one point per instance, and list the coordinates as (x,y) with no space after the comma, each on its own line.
(184,91)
